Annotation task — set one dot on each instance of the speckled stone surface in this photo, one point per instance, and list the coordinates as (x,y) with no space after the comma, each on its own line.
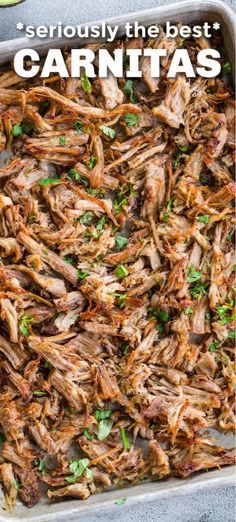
(209,506)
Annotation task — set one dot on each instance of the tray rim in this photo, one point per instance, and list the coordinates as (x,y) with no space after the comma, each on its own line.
(144,493)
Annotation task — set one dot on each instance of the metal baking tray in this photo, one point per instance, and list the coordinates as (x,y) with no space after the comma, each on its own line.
(186,12)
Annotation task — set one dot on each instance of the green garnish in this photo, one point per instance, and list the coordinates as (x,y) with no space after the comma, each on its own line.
(165,215)
(121,272)
(199,289)
(163,316)
(86,218)
(102,414)
(226,68)
(117,205)
(62,140)
(24,322)
(125,440)
(2,437)
(92,162)
(48,365)
(43,106)
(193,275)
(188,310)
(204,218)
(183,148)
(232,334)
(108,131)
(131,119)
(120,501)
(16,484)
(213,346)
(79,127)
(130,90)
(16,130)
(74,175)
(121,299)
(48,181)
(87,434)
(85,83)
(104,428)
(41,466)
(77,467)
(39,393)
(82,275)
(69,260)
(121,242)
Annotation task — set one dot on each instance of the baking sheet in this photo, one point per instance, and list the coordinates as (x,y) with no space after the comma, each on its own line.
(74,510)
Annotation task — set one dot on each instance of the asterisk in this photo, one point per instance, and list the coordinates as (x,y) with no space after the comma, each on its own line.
(20,26)
(216,25)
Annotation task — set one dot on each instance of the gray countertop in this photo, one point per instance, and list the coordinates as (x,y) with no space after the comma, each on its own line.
(209,506)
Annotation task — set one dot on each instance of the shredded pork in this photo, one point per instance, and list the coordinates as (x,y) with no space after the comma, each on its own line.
(117,279)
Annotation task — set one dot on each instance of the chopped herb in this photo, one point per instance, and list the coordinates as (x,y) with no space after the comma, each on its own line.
(82,275)
(87,434)
(48,181)
(193,275)
(104,428)
(127,190)
(159,327)
(117,205)
(62,140)
(129,88)
(121,272)
(208,316)
(131,119)
(16,130)
(222,312)
(188,310)
(120,501)
(94,192)
(79,127)
(121,299)
(199,289)
(232,334)
(27,127)
(43,106)
(234,268)
(213,346)
(102,414)
(16,484)
(183,148)
(125,440)
(125,347)
(77,467)
(40,465)
(92,162)
(70,480)
(121,242)
(226,68)
(86,218)
(108,131)
(74,175)
(165,215)
(163,316)
(86,85)
(48,365)
(69,260)
(24,322)
(204,178)
(101,223)
(39,393)
(2,437)
(204,218)
(229,237)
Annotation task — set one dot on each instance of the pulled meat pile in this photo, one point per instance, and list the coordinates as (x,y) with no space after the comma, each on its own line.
(117,278)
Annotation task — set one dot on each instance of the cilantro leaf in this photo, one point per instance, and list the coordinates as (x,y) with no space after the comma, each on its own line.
(129,88)
(121,272)
(193,275)
(125,440)
(108,131)
(102,414)
(85,83)
(131,119)
(204,218)
(48,181)
(104,428)
(121,242)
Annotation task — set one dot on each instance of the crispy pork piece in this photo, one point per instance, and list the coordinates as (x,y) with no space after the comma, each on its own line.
(172,108)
